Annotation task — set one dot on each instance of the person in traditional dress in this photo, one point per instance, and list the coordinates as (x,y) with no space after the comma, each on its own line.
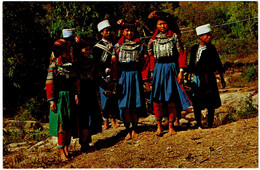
(126,70)
(204,62)
(102,53)
(167,61)
(89,113)
(62,88)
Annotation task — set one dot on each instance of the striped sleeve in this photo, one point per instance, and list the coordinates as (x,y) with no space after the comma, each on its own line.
(50,79)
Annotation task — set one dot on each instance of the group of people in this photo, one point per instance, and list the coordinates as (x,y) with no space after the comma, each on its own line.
(117,73)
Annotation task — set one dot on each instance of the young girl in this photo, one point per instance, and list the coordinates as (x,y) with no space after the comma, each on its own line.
(62,88)
(127,63)
(89,115)
(168,59)
(204,61)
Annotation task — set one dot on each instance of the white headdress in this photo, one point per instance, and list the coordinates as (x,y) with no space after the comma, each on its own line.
(66,33)
(103,24)
(203,29)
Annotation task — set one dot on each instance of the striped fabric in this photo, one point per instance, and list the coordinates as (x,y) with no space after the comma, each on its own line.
(50,78)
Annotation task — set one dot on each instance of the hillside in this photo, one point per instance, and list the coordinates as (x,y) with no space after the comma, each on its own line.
(227,145)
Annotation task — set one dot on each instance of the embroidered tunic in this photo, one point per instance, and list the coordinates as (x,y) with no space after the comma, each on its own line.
(102,55)
(61,86)
(129,65)
(167,55)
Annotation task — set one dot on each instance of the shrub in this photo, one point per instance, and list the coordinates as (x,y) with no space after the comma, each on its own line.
(247,110)
(34,109)
(250,73)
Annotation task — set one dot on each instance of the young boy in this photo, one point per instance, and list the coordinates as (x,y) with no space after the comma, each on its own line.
(102,52)
(204,61)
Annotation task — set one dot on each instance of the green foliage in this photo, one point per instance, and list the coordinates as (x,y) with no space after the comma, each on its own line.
(38,135)
(247,110)
(14,137)
(231,40)
(23,135)
(240,11)
(20,134)
(250,73)
(76,15)
(34,109)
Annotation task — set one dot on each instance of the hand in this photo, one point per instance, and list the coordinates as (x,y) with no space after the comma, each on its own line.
(53,106)
(223,83)
(114,92)
(147,84)
(180,77)
(189,77)
(77,99)
(107,93)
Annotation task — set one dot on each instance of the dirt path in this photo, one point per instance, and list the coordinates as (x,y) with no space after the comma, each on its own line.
(233,145)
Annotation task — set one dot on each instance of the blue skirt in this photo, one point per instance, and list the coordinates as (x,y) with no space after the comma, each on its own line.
(130,90)
(109,104)
(165,86)
(103,98)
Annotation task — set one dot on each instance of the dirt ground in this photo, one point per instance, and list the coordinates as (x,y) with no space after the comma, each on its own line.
(233,145)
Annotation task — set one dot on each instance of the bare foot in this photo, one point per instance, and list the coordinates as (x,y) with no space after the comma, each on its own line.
(66,151)
(134,134)
(105,124)
(165,123)
(128,136)
(64,159)
(158,132)
(63,155)
(159,129)
(176,123)
(114,124)
(171,132)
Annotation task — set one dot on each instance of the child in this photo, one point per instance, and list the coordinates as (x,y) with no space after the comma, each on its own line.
(168,60)
(128,66)
(90,119)
(102,52)
(204,61)
(62,88)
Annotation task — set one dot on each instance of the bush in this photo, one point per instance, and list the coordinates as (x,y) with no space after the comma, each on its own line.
(34,109)
(247,110)
(250,73)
